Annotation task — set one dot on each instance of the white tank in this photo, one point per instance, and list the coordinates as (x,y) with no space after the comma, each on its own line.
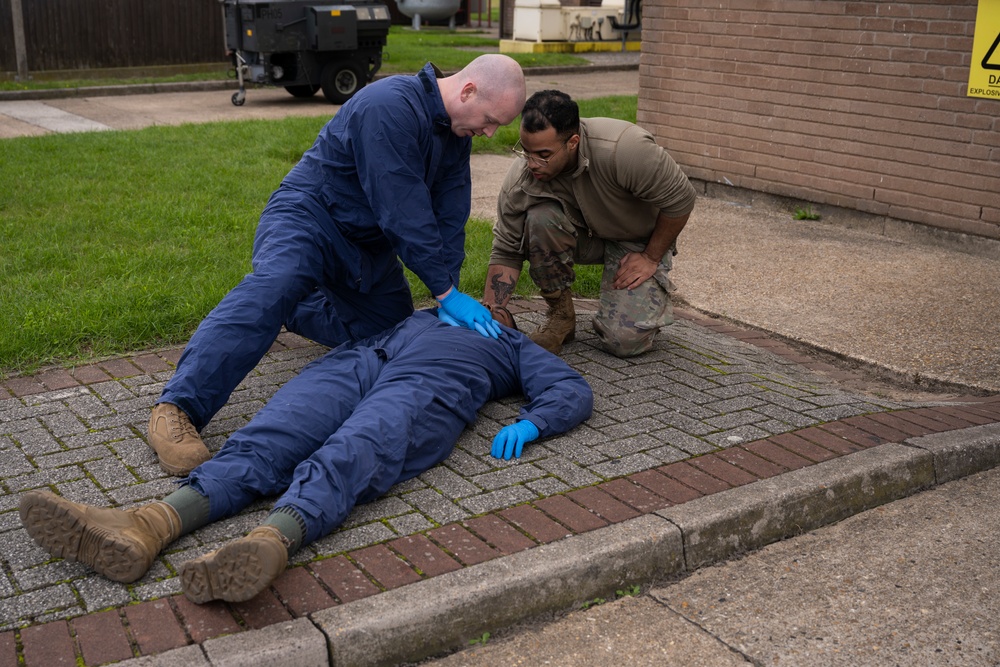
(429,10)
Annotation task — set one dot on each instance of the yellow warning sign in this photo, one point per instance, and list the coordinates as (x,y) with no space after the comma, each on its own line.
(984,72)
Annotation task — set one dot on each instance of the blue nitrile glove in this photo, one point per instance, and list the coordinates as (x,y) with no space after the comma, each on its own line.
(510,440)
(469,313)
(447,319)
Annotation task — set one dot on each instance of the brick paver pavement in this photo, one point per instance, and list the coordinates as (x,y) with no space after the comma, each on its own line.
(712,407)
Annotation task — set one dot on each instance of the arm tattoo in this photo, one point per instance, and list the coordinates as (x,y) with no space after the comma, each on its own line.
(502,291)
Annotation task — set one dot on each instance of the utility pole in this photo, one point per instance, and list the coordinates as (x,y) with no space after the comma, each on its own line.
(20,50)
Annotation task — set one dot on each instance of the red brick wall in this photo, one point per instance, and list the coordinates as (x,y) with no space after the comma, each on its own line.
(859,105)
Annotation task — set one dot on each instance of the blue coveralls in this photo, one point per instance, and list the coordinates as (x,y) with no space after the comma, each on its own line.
(386,177)
(370,414)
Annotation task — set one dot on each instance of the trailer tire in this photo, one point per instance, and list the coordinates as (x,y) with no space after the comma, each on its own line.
(341,80)
(305,90)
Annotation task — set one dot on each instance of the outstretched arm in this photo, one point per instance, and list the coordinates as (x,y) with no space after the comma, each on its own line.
(559,398)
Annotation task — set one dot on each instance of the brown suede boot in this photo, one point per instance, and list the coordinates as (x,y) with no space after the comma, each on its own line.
(560,325)
(238,571)
(175,440)
(120,544)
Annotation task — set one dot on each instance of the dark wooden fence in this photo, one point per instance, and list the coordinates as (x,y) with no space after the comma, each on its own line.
(79,35)
(98,34)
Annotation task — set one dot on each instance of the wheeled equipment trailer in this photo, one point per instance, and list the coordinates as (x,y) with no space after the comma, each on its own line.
(305,47)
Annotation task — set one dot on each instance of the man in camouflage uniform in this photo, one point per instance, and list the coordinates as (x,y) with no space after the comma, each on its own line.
(589,191)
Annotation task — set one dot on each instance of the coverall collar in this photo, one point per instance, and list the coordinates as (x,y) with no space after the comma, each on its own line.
(428,77)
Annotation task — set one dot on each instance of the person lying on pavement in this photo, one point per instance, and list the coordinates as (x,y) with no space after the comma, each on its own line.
(358,420)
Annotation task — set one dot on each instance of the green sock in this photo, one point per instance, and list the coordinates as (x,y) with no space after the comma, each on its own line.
(191,506)
(290,523)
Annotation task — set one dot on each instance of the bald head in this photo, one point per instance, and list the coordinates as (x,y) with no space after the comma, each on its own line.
(497,76)
(485,94)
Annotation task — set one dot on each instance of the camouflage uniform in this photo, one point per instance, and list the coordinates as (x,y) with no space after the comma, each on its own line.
(605,208)
(626,320)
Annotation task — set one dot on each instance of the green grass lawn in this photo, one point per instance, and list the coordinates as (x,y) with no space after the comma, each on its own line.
(407,50)
(115,242)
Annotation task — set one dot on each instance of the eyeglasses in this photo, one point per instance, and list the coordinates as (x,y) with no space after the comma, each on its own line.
(519,151)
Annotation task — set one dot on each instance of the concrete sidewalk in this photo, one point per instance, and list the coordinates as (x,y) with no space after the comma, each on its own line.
(40,112)
(723,439)
(909,583)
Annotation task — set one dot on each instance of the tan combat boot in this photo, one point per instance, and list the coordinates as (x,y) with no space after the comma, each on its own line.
(560,325)
(120,544)
(238,571)
(175,440)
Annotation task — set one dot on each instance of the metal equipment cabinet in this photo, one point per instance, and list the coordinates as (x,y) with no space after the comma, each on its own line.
(305,47)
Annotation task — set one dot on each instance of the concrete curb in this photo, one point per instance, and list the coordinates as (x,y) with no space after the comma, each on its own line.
(231,84)
(723,525)
(423,619)
(296,642)
(444,613)
(961,453)
(109,91)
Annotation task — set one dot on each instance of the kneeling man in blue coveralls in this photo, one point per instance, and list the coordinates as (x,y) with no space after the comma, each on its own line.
(353,423)
(387,179)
